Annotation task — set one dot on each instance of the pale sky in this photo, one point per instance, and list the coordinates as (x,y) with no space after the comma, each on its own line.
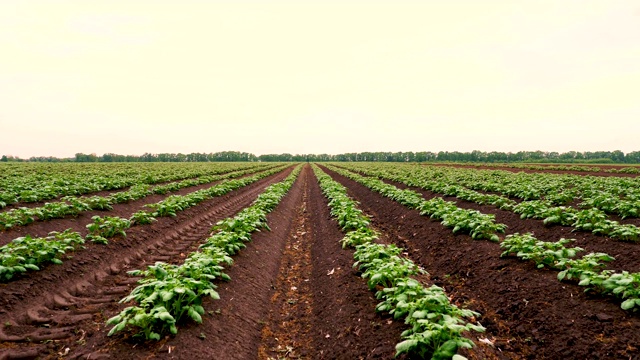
(130,77)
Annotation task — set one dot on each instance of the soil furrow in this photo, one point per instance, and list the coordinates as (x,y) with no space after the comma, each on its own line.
(346,324)
(528,312)
(81,290)
(286,334)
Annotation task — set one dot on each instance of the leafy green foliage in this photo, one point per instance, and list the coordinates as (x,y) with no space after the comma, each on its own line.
(382,265)
(588,266)
(141,218)
(72,205)
(590,219)
(99,203)
(436,324)
(561,215)
(472,222)
(527,247)
(625,232)
(107,227)
(27,253)
(545,196)
(624,285)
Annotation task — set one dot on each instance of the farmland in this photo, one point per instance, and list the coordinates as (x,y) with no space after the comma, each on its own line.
(318,261)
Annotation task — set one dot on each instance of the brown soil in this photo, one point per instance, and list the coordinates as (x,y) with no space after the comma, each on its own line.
(528,313)
(327,315)
(295,295)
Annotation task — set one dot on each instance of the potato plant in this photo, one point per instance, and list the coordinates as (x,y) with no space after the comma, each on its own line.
(549,254)
(28,253)
(107,227)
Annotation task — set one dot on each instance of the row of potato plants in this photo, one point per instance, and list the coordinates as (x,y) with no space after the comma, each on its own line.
(25,183)
(436,325)
(472,222)
(106,227)
(27,253)
(586,168)
(560,189)
(580,168)
(170,293)
(590,219)
(588,270)
(620,196)
(72,206)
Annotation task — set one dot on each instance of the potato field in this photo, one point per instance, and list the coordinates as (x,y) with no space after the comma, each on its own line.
(318,261)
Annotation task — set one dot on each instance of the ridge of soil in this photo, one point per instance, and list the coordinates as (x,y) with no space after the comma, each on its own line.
(528,313)
(286,334)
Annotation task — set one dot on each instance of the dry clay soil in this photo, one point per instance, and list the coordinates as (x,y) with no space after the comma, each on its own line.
(293,292)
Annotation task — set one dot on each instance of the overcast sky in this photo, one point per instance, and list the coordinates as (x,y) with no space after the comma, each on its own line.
(130,77)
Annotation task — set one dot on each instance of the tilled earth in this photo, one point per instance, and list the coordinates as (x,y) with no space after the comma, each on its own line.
(293,292)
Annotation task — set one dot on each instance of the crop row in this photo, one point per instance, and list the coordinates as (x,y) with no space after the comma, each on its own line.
(72,206)
(579,168)
(589,219)
(38,182)
(588,270)
(436,325)
(27,253)
(472,222)
(168,293)
(560,189)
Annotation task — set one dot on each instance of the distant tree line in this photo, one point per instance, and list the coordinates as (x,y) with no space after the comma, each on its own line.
(602,157)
